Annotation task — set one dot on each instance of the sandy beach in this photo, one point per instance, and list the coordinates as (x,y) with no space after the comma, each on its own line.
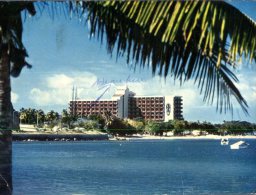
(152,137)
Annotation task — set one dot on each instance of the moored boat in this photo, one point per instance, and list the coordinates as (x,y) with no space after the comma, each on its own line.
(224,141)
(239,145)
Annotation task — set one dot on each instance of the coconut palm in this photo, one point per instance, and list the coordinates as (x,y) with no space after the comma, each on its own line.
(52,117)
(199,40)
(31,116)
(40,117)
(23,115)
(12,60)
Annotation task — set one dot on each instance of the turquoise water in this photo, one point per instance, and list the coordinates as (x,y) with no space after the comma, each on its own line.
(134,167)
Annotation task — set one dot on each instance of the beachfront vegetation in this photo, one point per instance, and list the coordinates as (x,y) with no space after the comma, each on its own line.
(38,117)
(115,126)
(152,127)
(99,119)
(67,118)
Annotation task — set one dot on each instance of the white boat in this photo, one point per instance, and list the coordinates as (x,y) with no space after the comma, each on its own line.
(239,145)
(224,141)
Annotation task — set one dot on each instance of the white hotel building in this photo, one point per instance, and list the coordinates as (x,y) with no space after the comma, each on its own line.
(125,104)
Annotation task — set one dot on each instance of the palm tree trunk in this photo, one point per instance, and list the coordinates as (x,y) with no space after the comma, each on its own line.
(5,123)
(5,162)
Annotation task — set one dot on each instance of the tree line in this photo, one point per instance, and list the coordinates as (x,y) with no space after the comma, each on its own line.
(180,127)
(38,117)
(113,125)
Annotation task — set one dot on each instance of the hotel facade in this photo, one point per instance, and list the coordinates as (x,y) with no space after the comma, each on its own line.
(125,104)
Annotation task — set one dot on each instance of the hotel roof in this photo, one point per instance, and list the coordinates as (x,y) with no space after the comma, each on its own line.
(148,96)
(95,100)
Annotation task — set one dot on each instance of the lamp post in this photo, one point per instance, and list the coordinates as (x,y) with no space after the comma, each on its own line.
(37,119)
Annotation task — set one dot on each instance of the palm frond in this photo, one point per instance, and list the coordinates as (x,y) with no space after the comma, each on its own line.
(198,40)
(11,32)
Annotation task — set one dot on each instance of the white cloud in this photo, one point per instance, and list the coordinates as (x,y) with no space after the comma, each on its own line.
(58,88)
(62,81)
(40,97)
(247,87)
(59,81)
(14,97)
(84,79)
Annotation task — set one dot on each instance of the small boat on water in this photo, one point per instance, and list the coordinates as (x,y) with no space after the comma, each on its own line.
(239,145)
(224,141)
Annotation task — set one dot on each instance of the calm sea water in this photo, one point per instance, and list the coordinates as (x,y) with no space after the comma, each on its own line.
(135,167)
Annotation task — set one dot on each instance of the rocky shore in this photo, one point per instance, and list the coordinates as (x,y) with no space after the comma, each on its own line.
(58,137)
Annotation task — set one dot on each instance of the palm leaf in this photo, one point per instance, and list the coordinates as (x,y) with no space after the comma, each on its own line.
(11,33)
(189,40)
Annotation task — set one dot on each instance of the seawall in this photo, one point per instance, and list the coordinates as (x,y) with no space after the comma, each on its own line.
(58,137)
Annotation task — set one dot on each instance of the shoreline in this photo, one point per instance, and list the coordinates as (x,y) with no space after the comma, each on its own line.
(105,137)
(213,137)
(58,137)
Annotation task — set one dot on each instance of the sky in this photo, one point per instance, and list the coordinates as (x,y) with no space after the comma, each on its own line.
(63,56)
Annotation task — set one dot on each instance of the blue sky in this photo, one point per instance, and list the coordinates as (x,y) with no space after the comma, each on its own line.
(62,56)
